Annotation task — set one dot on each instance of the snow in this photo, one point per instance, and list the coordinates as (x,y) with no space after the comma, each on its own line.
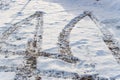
(7,75)
(86,42)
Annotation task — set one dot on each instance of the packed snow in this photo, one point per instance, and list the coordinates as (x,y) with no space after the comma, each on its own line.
(85,39)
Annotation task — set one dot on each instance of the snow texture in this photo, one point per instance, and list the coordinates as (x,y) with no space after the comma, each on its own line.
(85,39)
